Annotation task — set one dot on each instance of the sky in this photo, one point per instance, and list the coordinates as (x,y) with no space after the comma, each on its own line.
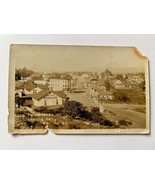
(75,58)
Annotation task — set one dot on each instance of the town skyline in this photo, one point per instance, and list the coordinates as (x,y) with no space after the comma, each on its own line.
(95,70)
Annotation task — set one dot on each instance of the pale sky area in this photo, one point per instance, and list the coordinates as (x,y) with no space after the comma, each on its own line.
(75,58)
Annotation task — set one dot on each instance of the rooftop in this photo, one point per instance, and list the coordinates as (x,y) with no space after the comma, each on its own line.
(61,94)
(44,93)
(105,93)
(43,87)
(19,85)
(40,94)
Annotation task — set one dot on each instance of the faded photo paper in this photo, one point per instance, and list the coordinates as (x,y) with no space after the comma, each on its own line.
(78,90)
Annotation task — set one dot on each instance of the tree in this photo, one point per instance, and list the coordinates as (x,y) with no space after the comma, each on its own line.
(95,110)
(106,73)
(24,72)
(119,76)
(121,96)
(67,76)
(56,75)
(19,101)
(107,85)
(17,76)
(96,115)
(74,109)
(142,86)
(39,77)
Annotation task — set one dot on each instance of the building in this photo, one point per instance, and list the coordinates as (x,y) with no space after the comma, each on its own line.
(48,98)
(19,88)
(118,84)
(31,88)
(42,82)
(105,95)
(136,79)
(23,101)
(95,90)
(61,84)
(19,85)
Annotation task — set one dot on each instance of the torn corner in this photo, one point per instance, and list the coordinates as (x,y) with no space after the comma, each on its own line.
(139,54)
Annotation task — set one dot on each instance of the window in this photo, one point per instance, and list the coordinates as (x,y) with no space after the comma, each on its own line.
(34,91)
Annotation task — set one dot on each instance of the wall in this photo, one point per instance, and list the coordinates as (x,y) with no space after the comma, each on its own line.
(145,43)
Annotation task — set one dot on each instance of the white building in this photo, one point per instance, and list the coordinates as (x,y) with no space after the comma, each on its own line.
(47,98)
(60,84)
(34,88)
(42,82)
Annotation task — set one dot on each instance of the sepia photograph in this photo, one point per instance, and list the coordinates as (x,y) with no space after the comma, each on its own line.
(78,90)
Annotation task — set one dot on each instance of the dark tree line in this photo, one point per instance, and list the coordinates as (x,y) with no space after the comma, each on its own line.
(22,73)
(76,110)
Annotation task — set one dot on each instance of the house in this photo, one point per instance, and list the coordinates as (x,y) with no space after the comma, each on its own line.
(118,84)
(105,95)
(136,79)
(43,82)
(31,88)
(48,98)
(23,101)
(42,87)
(95,90)
(19,88)
(19,85)
(85,75)
(60,84)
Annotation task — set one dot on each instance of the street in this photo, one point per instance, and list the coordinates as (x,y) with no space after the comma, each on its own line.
(137,118)
(122,111)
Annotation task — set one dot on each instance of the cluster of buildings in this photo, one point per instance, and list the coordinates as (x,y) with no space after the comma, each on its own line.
(51,90)
(42,93)
(103,87)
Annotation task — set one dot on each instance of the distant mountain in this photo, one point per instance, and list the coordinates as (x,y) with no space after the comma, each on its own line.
(127,70)
(116,70)
(107,73)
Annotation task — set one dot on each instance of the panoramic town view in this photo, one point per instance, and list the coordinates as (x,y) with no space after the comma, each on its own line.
(79,99)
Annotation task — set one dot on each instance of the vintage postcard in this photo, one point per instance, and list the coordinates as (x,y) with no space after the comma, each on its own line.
(78,90)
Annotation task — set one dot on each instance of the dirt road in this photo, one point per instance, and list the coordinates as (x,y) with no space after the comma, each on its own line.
(122,111)
(138,118)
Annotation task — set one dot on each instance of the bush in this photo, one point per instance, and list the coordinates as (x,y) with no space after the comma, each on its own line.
(124,123)
(22,112)
(46,110)
(86,115)
(121,96)
(30,124)
(40,109)
(73,126)
(96,116)
(107,123)
(60,111)
(34,125)
(73,108)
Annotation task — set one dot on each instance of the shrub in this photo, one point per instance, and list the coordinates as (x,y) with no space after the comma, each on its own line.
(86,115)
(121,96)
(73,126)
(124,123)
(73,108)
(30,124)
(35,124)
(40,109)
(95,110)
(107,123)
